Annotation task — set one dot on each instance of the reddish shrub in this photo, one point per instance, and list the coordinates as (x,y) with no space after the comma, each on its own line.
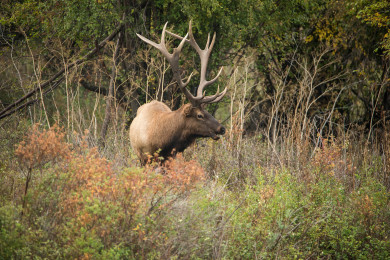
(42,146)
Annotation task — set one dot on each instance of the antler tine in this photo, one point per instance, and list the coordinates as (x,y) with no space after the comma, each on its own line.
(176,72)
(159,46)
(220,97)
(204,83)
(204,59)
(192,39)
(214,98)
(177,36)
(162,41)
(148,41)
(173,60)
(212,42)
(208,40)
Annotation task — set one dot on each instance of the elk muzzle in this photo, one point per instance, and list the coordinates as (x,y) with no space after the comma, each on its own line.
(220,131)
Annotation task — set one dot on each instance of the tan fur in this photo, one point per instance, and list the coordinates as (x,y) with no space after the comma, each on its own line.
(157,128)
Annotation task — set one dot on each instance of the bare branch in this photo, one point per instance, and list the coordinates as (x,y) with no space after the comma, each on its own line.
(31,102)
(6,111)
(88,86)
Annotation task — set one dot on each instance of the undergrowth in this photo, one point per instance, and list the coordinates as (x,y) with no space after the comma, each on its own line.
(65,200)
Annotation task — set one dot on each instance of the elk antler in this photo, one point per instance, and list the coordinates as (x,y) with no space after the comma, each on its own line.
(173,60)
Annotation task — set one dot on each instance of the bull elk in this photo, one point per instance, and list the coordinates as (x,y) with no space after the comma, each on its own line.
(157,128)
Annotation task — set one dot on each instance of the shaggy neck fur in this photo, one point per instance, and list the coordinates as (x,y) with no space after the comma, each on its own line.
(184,136)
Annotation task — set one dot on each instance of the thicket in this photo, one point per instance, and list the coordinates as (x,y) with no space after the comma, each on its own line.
(81,205)
(302,171)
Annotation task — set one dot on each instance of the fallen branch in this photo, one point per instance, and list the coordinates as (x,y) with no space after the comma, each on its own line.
(89,87)
(120,95)
(29,103)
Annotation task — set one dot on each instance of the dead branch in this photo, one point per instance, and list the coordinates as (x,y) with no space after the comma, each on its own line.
(31,102)
(12,108)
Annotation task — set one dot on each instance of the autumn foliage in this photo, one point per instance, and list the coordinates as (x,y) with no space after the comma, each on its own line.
(42,146)
(99,205)
(81,205)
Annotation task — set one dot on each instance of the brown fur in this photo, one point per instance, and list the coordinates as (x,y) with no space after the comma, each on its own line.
(157,128)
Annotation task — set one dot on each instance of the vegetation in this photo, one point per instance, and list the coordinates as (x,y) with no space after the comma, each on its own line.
(302,172)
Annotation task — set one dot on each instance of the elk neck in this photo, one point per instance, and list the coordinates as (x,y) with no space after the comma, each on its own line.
(186,135)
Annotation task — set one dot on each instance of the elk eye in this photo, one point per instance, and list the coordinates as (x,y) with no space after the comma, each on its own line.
(200,116)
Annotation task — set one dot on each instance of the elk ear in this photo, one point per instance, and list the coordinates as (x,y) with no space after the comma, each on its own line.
(187,110)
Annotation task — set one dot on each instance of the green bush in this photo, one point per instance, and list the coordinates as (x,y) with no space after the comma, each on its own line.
(12,240)
(286,217)
(83,206)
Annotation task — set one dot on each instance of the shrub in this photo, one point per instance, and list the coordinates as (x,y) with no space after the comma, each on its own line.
(84,206)
(284,217)
(41,147)
(38,149)
(10,229)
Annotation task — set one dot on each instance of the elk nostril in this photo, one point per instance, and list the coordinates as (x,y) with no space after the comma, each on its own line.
(222,130)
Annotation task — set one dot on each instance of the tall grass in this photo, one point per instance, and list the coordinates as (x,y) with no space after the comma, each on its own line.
(218,201)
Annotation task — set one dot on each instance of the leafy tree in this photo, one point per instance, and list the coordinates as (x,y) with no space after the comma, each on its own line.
(377,14)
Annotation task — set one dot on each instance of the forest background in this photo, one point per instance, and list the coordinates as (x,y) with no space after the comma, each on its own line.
(302,172)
